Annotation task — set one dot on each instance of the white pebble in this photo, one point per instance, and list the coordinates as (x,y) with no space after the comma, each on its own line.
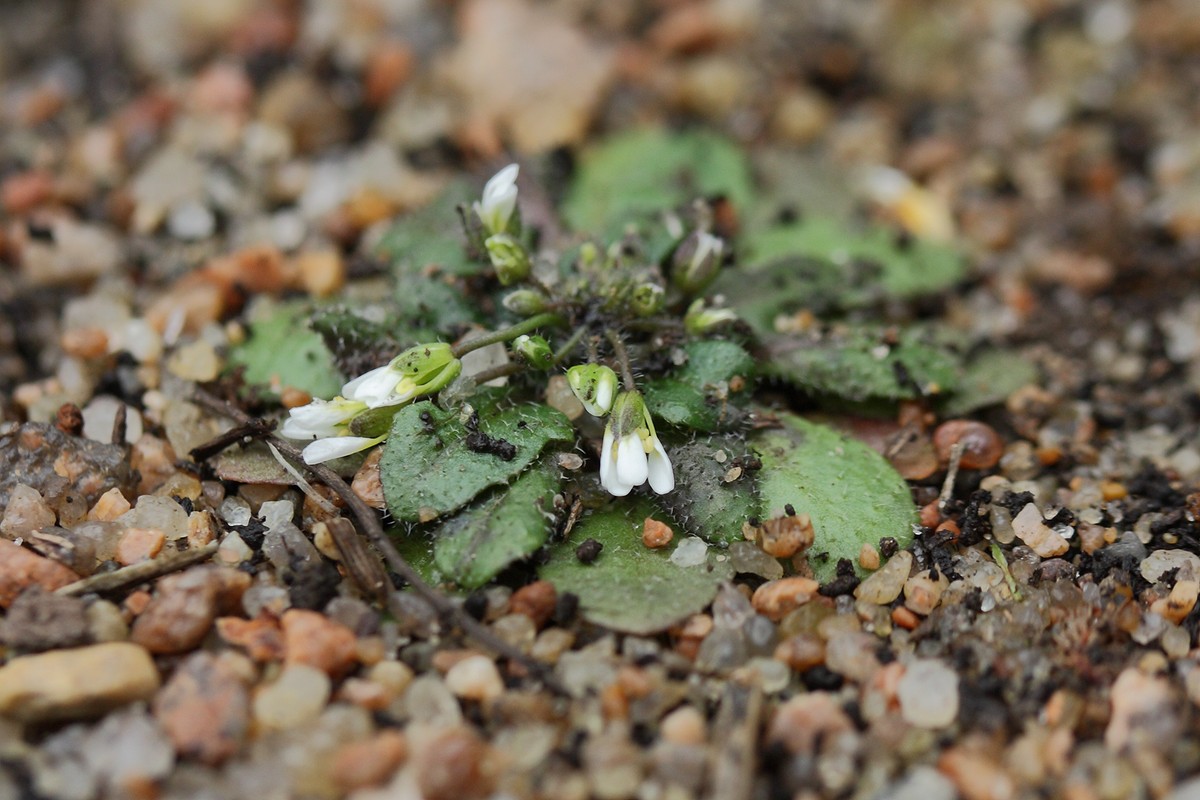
(475,678)
(691,552)
(928,694)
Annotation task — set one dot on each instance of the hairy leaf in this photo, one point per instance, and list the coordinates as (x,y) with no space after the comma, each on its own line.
(282,351)
(714,493)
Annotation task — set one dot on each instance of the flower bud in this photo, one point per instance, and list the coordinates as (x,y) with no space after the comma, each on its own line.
(535,350)
(525,302)
(420,370)
(495,208)
(595,385)
(646,299)
(700,319)
(508,257)
(697,261)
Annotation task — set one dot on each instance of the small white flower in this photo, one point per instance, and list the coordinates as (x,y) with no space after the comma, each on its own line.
(327,449)
(499,200)
(321,418)
(632,454)
(420,370)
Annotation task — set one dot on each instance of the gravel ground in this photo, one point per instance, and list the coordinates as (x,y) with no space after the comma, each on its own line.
(172,630)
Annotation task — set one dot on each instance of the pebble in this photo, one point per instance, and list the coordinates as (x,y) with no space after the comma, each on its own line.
(204,709)
(25,513)
(312,639)
(105,622)
(922,593)
(451,763)
(111,505)
(191,221)
(1030,527)
(868,557)
(748,558)
(928,694)
(656,534)
(801,723)
(322,272)
(1139,701)
(690,552)
(685,725)
(536,601)
(154,512)
(852,655)
(357,765)
(181,611)
(982,446)
(775,599)
(1179,603)
(139,544)
(1160,562)
(783,537)
(21,568)
(40,620)
(475,678)
(884,586)
(195,361)
(294,699)
(801,652)
(975,776)
(76,683)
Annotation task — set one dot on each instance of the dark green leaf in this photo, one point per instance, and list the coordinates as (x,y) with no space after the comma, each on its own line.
(860,363)
(629,587)
(851,493)
(714,361)
(281,350)
(430,469)
(680,404)
(697,395)
(714,495)
(512,522)
(430,236)
(651,170)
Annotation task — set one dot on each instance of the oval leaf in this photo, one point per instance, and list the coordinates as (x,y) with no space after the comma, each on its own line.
(629,587)
(851,493)
(714,494)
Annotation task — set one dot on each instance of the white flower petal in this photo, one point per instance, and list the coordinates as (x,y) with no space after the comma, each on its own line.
(662,476)
(320,418)
(337,446)
(499,199)
(631,460)
(373,384)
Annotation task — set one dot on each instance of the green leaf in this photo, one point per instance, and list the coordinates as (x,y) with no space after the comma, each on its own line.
(697,395)
(851,493)
(512,522)
(907,268)
(629,587)
(430,236)
(281,347)
(649,171)
(988,379)
(432,307)
(429,468)
(861,363)
(704,502)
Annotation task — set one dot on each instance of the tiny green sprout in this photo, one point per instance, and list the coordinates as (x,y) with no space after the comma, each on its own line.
(700,319)
(646,299)
(595,385)
(535,350)
(508,257)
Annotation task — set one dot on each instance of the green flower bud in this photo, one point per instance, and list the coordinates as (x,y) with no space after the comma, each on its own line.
(700,319)
(595,385)
(535,350)
(525,302)
(646,299)
(697,261)
(508,257)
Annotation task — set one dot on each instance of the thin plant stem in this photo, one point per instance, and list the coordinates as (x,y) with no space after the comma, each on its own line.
(569,345)
(507,334)
(622,359)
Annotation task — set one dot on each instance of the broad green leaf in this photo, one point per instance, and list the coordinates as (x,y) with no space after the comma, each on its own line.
(629,587)
(281,350)
(358,343)
(988,379)
(652,170)
(789,284)
(714,493)
(851,493)
(697,395)
(907,268)
(430,236)
(510,523)
(859,364)
(429,467)
(432,307)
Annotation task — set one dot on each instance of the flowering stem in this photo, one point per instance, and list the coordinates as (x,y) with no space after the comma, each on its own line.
(507,334)
(622,355)
(570,344)
(500,371)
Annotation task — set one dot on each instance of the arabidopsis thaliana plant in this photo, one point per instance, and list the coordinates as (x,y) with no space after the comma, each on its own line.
(327,423)
(632,454)
(595,385)
(499,200)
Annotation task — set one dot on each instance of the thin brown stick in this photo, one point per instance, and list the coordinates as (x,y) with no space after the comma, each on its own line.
(138,573)
(368,523)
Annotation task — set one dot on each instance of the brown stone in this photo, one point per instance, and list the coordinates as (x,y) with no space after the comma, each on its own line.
(370,762)
(111,505)
(774,599)
(20,569)
(180,613)
(367,484)
(976,776)
(656,534)
(801,652)
(76,683)
(139,544)
(261,637)
(805,720)
(536,601)
(204,708)
(313,639)
(154,459)
(783,537)
(982,446)
(452,764)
